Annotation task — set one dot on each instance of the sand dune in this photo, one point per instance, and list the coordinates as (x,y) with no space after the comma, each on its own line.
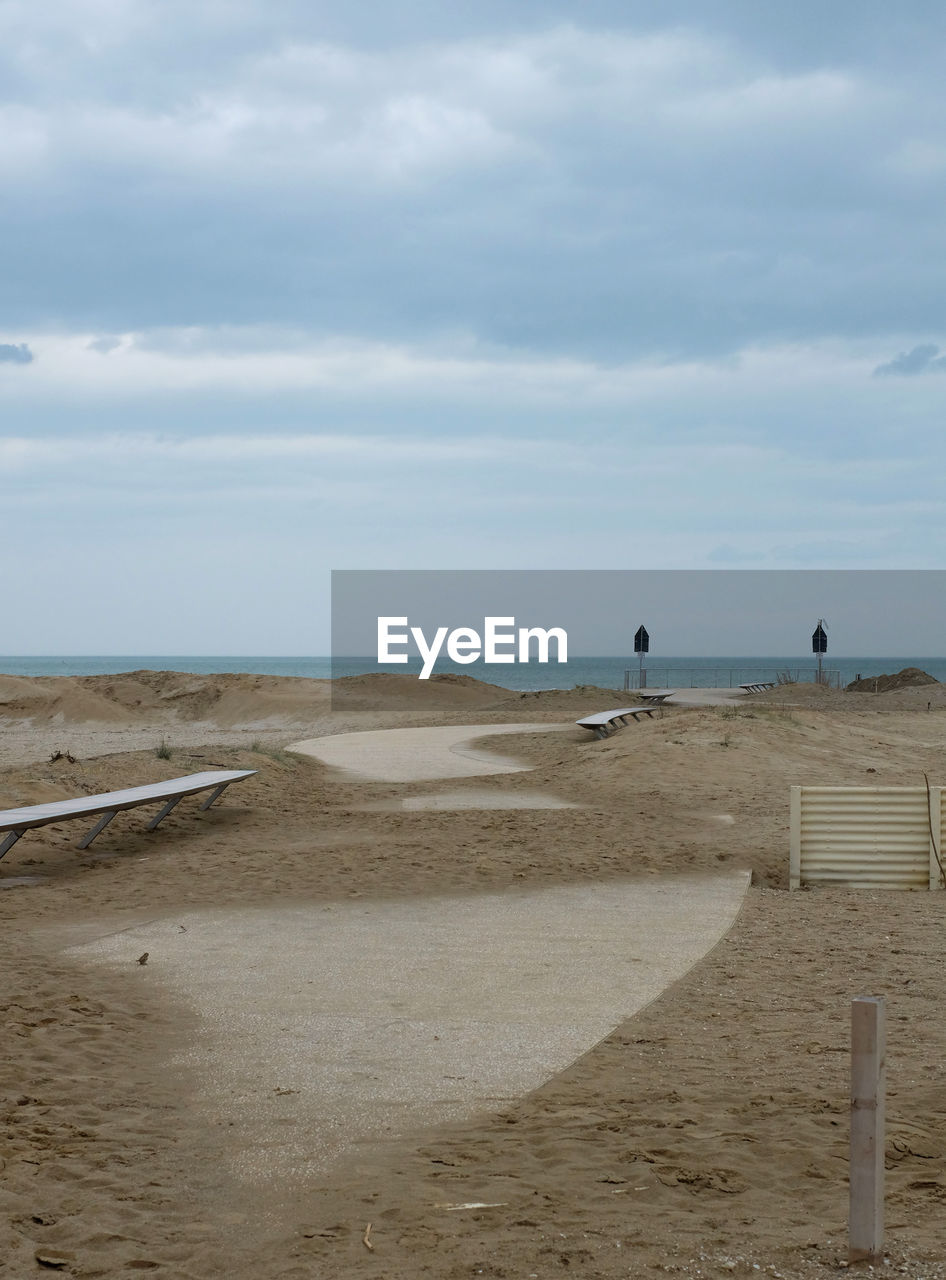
(158,696)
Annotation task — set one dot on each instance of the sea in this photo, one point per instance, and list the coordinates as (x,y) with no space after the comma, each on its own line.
(613,672)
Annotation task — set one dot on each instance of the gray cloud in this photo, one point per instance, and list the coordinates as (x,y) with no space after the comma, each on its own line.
(611,189)
(15,353)
(924,358)
(104,345)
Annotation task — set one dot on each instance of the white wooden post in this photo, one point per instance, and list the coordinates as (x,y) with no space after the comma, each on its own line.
(868,1081)
(794,836)
(936,827)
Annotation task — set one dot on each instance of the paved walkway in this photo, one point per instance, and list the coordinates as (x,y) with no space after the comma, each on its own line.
(327,1025)
(705,697)
(419,755)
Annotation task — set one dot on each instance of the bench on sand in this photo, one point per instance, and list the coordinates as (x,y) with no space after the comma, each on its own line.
(602,722)
(16,822)
(760,686)
(656,695)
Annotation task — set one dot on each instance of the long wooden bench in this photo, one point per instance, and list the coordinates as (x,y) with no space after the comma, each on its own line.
(16,822)
(602,722)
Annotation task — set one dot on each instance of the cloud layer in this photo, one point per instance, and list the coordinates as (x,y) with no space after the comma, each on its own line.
(476,284)
(614,192)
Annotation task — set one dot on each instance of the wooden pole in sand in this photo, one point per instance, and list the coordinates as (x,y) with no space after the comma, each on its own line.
(868,1081)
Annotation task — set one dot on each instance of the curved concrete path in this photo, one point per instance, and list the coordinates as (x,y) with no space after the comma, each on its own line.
(329,1025)
(712,697)
(418,755)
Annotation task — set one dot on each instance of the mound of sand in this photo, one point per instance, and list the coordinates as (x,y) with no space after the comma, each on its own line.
(905,679)
(55,699)
(386,691)
(898,697)
(161,697)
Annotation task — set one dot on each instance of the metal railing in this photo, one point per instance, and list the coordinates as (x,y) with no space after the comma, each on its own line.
(726,677)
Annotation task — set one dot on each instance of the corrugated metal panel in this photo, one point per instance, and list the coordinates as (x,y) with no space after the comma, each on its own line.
(865,837)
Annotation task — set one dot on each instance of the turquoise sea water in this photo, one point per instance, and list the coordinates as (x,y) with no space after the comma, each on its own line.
(608,672)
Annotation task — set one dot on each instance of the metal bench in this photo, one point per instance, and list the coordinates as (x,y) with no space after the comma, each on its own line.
(16,822)
(602,722)
(656,696)
(759,686)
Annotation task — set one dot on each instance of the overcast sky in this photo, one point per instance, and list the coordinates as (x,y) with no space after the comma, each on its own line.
(293,286)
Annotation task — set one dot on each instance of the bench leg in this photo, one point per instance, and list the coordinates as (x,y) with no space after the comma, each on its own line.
(600,731)
(164,813)
(10,842)
(97,829)
(214,794)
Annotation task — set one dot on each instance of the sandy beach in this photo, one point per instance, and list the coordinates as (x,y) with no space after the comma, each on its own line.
(704,1136)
